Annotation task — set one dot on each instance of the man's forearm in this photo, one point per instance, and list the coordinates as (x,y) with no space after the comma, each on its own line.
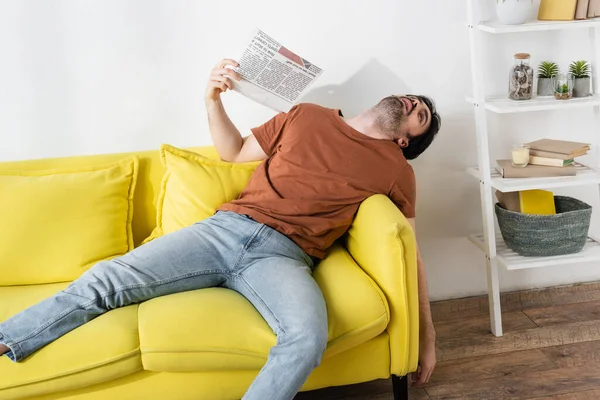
(226,137)
(427,358)
(424,306)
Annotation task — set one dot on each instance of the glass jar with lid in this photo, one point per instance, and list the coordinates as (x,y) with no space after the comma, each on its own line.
(520,80)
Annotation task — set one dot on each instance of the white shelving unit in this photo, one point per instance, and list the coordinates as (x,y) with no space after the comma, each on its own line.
(536,26)
(490,241)
(585,176)
(512,261)
(504,105)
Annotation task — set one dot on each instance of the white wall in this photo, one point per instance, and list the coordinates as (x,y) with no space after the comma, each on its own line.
(91,76)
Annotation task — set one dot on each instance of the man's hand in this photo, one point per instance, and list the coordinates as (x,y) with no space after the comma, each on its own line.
(427,358)
(219,80)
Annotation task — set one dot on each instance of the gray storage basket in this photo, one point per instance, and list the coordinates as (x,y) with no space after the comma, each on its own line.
(547,235)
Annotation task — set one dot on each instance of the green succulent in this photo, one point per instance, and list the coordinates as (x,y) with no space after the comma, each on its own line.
(563,89)
(547,69)
(580,69)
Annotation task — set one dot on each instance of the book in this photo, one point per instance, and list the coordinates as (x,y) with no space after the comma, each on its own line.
(549,162)
(593,9)
(506,170)
(540,202)
(582,9)
(549,154)
(509,200)
(558,146)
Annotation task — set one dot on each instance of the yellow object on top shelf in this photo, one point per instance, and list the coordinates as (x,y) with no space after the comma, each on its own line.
(557,10)
(540,202)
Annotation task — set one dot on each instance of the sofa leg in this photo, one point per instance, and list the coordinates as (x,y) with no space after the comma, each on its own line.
(400,387)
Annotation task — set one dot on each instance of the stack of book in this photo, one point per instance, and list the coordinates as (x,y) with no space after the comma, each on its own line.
(539,202)
(547,158)
(587,9)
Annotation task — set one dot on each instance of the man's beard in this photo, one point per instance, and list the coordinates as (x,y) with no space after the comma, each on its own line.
(389,116)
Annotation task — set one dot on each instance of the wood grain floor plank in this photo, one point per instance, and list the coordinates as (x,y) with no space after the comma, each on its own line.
(565,314)
(541,383)
(486,367)
(554,335)
(416,394)
(587,395)
(573,355)
(480,326)
(515,301)
(459,308)
(554,296)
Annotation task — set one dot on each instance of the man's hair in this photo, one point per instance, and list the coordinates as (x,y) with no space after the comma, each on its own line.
(419,144)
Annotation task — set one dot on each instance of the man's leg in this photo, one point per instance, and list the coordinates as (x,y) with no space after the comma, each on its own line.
(278,282)
(192,258)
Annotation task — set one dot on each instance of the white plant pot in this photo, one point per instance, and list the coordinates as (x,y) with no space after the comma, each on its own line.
(513,12)
(544,87)
(581,88)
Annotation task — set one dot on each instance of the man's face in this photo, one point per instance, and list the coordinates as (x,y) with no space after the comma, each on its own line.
(403,118)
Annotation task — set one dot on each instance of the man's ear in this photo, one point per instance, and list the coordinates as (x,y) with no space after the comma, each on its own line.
(402,142)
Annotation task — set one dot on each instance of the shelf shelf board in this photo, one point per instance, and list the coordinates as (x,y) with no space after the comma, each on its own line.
(512,261)
(536,26)
(585,176)
(504,105)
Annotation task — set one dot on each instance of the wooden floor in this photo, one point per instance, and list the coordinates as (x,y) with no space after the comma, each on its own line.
(550,350)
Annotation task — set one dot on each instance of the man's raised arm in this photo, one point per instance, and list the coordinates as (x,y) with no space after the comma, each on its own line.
(227,138)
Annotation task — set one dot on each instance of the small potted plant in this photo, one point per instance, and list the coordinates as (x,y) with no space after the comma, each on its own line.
(546,71)
(581,72)
(562,85)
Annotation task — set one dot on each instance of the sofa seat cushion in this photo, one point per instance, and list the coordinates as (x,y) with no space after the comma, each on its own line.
(218,329)
(104,349)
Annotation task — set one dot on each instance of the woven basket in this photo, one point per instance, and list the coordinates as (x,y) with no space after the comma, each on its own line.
(547,235)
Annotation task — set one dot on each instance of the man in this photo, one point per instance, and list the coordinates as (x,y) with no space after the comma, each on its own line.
(318,167)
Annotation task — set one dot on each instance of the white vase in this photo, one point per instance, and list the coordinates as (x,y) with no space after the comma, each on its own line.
(513,12)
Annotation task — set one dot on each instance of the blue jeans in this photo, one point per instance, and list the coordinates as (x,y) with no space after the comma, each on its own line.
(228,250)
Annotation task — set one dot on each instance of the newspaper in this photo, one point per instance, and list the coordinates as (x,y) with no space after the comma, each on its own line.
(272,75)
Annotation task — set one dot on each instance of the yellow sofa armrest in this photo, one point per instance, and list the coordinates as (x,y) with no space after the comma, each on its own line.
(383,244)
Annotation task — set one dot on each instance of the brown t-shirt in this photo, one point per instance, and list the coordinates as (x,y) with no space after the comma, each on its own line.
(317,173)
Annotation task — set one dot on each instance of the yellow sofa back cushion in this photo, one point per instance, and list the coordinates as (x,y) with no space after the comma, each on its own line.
(59,222)
(150,175)
(194,186)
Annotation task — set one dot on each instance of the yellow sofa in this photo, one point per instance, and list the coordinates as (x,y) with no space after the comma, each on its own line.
(211,343)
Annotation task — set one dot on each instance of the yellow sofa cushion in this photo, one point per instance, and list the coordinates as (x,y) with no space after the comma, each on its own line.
(218,329)
(193,187)
(367,362)
(104,349)
(58,223)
